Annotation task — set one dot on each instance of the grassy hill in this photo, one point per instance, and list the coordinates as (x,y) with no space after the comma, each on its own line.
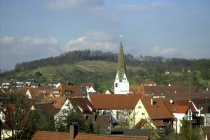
(102,74)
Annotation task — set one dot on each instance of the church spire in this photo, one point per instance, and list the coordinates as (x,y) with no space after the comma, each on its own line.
(121,69)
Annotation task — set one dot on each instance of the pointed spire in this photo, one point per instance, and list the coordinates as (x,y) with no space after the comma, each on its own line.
(121,69)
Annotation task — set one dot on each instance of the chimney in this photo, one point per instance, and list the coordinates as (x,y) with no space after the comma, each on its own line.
(152,100)
(73,130)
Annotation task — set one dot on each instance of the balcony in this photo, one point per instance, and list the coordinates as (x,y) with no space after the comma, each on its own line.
(191,121)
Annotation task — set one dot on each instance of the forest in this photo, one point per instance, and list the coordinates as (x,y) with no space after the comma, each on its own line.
(68,66)
(147,61)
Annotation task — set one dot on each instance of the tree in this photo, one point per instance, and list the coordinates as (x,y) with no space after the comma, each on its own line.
(187,132)
(97,131)
(89,127)
(67,117)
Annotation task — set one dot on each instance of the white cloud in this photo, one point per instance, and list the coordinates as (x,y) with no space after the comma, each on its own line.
(74,4)
(93,40)
(159,6)
(157,51)
(131,8)
(195,13)
(15,50)
(7,39)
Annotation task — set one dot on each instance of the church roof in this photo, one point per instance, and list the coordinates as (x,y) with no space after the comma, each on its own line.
(121,69)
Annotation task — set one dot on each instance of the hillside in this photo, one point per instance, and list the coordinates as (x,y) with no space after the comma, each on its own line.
(102,74)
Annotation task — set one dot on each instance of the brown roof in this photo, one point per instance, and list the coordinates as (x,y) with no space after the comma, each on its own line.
(136,89)
(68,86)
(159,90)
(140,124)
(158,123)
(59,101)
(180,106)
(82,136)
(102,120)
(179,109)
(49,109)
(114,101)
(83,103)
(47,135)
(158,110)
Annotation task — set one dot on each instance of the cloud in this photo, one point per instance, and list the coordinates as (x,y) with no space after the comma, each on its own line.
(131,8)
(15,50)
(157,51)
(74,4)
(159,6)
(101,40)
(7,39)
(195,13)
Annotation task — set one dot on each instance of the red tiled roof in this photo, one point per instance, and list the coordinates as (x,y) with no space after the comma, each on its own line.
(83,103)
(59,101)
(180,106)
(140,124)
(179,109)
(82,136)
(65,86)
(47,135)
(158,110)
(158,90)
(158,123)
(114,101)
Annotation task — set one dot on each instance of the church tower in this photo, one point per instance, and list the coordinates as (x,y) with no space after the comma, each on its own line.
(121,84)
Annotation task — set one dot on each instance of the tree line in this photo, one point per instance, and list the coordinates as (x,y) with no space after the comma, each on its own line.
(91,55)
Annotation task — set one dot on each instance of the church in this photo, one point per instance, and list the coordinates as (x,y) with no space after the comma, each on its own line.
(121,84)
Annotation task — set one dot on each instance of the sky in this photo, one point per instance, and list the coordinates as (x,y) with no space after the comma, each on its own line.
(36,29)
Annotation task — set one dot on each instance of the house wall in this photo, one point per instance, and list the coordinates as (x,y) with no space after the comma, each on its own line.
(177,124)
(139,113)
(121,88)
(67,106)
(28,94)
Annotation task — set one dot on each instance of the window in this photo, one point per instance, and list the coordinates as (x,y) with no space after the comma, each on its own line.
(143,113)
(139,106)
(116,84)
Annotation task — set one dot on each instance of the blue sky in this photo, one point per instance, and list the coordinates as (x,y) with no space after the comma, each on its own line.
(35,29)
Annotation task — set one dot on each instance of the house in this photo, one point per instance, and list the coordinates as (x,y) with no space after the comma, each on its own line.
(105,122)
(49,135)
(109,91)
(82,105)
(91,90)
(202,106)
(149,83)
(20,84)
(161,90)
(52,84)
(151,113)
(119,106)
(175,84)
(183,110)
(28,82)
(6,84)
(74,135)
(35,85)
(6,110)
(67,89)
(87,85)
